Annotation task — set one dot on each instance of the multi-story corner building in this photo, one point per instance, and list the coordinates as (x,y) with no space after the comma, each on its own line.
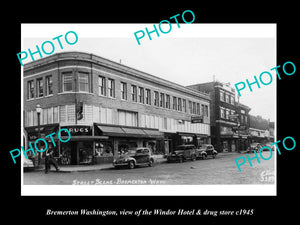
(225,116)
(109,107)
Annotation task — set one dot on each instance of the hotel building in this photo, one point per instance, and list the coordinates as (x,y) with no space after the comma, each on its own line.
(108,108)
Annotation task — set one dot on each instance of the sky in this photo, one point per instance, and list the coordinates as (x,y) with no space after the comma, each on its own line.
(188,55)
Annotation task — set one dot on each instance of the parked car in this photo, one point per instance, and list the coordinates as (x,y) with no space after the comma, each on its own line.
(254,147)
(135,157)
(268,144)
(206,150)
(182,153)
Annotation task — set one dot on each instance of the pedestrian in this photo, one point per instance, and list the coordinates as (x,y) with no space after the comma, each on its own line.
(50,160)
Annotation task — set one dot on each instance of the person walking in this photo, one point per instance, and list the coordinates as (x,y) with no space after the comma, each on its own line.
(50,160)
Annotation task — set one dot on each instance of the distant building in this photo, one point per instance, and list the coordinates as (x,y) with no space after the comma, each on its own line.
(261,130)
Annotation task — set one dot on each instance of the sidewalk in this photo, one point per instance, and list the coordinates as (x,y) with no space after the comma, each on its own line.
(158,159)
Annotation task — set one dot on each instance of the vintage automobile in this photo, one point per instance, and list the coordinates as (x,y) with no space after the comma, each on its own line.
(268,144)
(134,157)
(254,147)
(182,153)
(206,150)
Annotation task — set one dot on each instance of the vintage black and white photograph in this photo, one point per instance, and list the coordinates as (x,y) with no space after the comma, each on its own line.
(104,114)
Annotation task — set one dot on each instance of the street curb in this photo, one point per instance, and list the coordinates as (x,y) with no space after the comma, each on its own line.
(109,166)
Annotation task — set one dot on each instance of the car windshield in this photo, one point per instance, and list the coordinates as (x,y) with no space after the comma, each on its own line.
(204,146)
(132,151)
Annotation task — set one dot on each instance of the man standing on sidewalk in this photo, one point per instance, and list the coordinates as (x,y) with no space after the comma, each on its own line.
(50,160)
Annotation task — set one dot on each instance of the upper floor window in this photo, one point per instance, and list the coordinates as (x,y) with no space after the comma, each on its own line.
(133,93)
(198,109)
(227,114)
(123,91)
(174,103)
(222,113)
(111,88)
(162,100)
(179,104)
(30,89)
(40,87)
(168,103)
(83,81)
(194,108)
(206,110)
(227,98)
(67,81)
(148,97)
(184,105)
(49,88)
(156,98)
(232,100)
(141,95)
(102,85)
(222,96)
(190,106)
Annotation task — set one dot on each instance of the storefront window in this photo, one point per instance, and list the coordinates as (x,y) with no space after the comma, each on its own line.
(103,148)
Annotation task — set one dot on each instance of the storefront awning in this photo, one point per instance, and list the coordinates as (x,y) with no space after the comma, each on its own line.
(124,131)
(191,134)
(82,138)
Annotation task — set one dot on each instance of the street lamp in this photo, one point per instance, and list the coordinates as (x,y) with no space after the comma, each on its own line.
(38,111)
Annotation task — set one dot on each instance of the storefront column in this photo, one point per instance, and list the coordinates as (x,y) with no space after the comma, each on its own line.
(116,145)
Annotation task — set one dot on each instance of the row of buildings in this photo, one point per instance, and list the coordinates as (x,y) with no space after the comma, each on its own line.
(109,107)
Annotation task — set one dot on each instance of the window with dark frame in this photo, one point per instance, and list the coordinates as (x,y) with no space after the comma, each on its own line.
(67,81)
(30,89)
(111,87)
(49,85)
(168,103)
(179,104)
(141,95)
(194,107)
(102,85)
(162,100)
(83,81)
(39,87)
(156,98)
(184,105)
(148,97)
(174,103)
(133,93)
(198,109)
(123,91)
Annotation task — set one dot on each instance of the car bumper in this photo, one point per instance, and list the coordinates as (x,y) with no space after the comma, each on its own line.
(115,164)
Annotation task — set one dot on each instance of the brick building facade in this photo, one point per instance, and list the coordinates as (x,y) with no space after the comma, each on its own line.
(226,134)
(109,107)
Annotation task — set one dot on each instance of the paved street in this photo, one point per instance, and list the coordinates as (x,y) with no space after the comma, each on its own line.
(221,170)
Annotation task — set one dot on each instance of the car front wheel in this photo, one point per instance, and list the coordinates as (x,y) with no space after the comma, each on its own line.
(151,162)
(193,157)
(131,165)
